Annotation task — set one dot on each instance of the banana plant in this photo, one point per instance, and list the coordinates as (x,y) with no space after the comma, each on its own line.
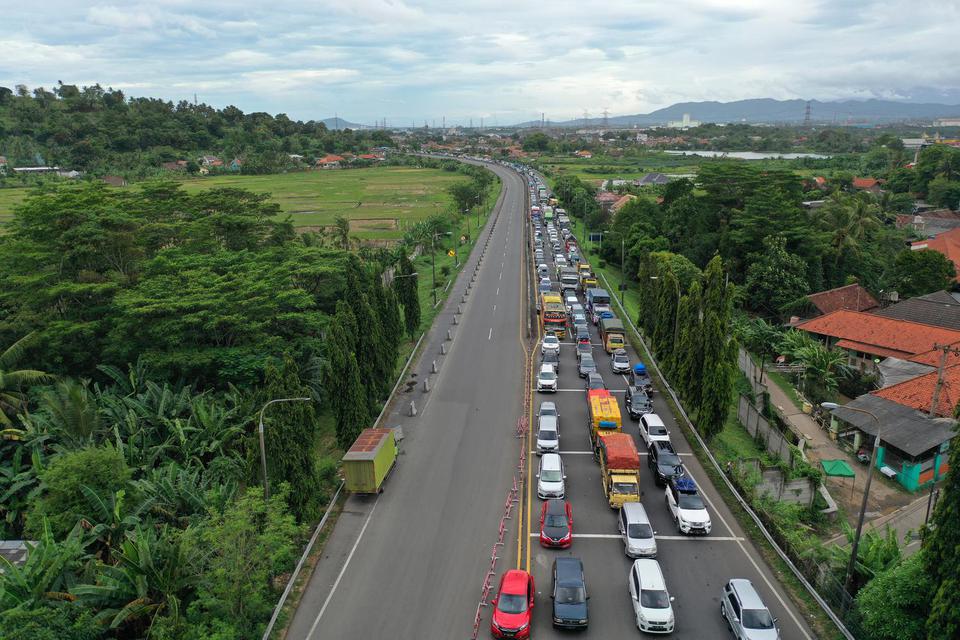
(50,571)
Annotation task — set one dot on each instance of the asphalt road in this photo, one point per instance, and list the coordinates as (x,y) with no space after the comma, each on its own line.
(695,568)
(410,563)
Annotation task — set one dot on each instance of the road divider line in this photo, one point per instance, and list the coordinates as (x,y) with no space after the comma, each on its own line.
(617,536)
(490,335)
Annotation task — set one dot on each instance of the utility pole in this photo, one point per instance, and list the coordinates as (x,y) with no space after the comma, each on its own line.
(806,116)
(622,273)
(945,350)
(541,119)
(606,114)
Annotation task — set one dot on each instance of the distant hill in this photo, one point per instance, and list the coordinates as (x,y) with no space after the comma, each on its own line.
(768,110)
(339,123)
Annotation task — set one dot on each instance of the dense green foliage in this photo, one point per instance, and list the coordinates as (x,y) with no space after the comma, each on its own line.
(941,555)
(103,132)
(916,273)
(894,605)
(139,480)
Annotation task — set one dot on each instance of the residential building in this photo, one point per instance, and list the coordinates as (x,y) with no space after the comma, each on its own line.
(621,202)
(929,223)
(3,165)
(852,297)
(913,446)
(652,178)
(583,154)
(210,161)
(939,309)
(41,169)
(918,392)
(868,338)
(236,164)
(947,243)
(867,184)
(176,165)
(947,122)
(330,161)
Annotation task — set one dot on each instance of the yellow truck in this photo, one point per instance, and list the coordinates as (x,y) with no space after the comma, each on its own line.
(369,460)
(619,468)
(587,279)
(604,414)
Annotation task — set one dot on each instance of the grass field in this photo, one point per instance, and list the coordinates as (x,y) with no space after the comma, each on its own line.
(380,201)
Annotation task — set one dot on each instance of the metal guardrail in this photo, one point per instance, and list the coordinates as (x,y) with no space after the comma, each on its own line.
(740,499)
(300,563)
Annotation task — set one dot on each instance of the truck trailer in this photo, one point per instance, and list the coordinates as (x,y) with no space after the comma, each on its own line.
(619,468)
(369,460)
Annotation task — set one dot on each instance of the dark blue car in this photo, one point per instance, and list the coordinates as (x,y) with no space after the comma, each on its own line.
(569,594)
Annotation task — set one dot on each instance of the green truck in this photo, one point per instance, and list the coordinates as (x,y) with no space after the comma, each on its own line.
(369,461)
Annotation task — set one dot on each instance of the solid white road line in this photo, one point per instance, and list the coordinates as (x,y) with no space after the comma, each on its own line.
(490,335)
(498,290)
(336,583)
(616,536)
(583,391)
(590,453)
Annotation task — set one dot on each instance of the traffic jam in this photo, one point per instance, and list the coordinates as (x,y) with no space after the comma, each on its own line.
(593,431)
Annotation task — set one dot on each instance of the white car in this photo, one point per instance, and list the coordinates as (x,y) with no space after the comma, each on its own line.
(550,477)
(543,270)
(550,343)
(652,428)
(547,379)
(620,362)
(651,601)
(569,301)
(686,506)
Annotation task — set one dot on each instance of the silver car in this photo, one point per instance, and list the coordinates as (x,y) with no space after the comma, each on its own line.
(548,434)
(746,615)
(636,531)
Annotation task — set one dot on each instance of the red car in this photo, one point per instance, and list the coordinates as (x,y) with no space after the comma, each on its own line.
(513,606)
(556,524)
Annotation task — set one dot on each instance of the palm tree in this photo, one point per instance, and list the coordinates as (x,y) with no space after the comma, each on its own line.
(12,381)
(823,367)
(848,220)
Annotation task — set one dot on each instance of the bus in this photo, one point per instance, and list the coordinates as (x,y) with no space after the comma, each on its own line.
(553,315)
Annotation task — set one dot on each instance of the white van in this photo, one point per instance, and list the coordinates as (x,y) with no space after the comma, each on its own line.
(651,600)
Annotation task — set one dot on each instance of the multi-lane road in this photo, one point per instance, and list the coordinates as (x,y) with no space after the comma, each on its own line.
(410,563)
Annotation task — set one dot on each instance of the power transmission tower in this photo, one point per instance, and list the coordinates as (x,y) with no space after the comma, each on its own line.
(606,114)
(586,118)
(806,116)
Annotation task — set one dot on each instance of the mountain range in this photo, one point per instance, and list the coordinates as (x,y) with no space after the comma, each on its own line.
(768,110)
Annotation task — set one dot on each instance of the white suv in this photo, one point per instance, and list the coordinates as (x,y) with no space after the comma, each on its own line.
(550,477)
(547,379)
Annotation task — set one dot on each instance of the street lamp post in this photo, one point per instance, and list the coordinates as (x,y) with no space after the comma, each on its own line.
(263,448)
(478,214)
(676,316)
(831,406)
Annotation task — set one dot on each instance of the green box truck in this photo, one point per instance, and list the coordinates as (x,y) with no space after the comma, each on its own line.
(369,461)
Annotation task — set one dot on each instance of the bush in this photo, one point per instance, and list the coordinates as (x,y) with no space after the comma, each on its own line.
(857,384)
(895,604)
(602,263)
(61,621)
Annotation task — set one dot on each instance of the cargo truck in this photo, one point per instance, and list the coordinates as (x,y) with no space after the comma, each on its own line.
(604,414)
(619,468)
(612,334)
(369,461)
(553,314)
(597,297)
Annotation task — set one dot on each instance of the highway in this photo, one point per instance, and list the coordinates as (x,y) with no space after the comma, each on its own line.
(410,563)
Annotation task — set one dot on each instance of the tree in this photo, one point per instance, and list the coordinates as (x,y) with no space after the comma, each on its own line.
(666,303)
(341,233)
(291,429)
(895,604)
(918,273)
(536,142)
(13,382)
(719,350)
(54,621)
(465,194)
(347,395)
(101,469)
(775,277)
(941,555)
(245,548)
(406,288)
(942,192)
(688,361)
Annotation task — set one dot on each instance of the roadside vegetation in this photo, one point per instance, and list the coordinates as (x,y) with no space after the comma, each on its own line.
(143,331)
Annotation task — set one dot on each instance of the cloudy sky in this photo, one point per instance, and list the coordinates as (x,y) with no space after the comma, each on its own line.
(503,60)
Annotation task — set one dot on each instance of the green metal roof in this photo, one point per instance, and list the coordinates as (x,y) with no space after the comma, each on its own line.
(840,468)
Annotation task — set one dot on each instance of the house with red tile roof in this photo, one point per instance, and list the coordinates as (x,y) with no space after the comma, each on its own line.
(619,204)
(330,161)
(852,297)
(917,393)
(583,154)
(867,337)
(947,243)
(867,184)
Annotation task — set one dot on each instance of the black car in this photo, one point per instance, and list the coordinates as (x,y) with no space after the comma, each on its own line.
(552,357)
(594,381)
(584,347)
(638,402)
(569,594)
(663,462)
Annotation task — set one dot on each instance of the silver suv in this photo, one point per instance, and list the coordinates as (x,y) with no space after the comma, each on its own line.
(746,615)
